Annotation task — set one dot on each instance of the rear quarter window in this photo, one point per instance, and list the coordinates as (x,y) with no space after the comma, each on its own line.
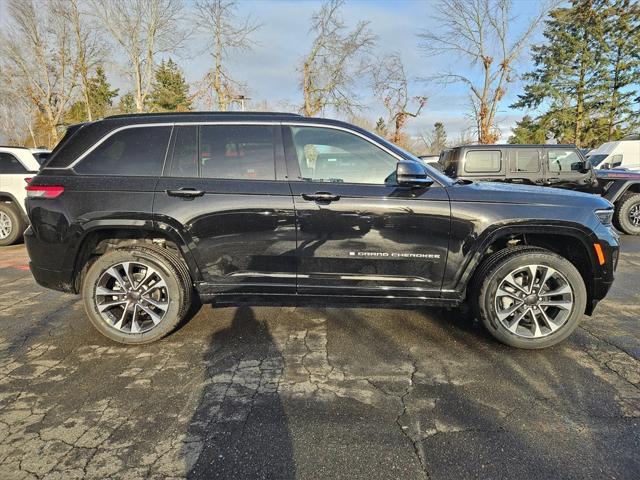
(10,164)
(136,151)
(483,161)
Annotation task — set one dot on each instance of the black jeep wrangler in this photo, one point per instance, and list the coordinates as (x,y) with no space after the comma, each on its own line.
(561,166)
(144,214)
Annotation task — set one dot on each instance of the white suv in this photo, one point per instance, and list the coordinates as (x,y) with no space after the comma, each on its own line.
(17,165)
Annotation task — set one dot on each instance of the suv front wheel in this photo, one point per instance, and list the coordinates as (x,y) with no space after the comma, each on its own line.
(136,294)
(529,297)
(627,215)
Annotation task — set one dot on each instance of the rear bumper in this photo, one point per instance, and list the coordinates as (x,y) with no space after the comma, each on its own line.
(55,279)
(60,280)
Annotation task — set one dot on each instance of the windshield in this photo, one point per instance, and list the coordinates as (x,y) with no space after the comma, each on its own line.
(596,160)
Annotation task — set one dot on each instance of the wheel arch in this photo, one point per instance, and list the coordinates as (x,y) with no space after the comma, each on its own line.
(571,242)
(619,190)
(101,238)
(6,197)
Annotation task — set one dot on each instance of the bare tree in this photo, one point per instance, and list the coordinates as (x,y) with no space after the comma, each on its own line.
(391,85)
(335,61)
(480,31)
(88,46)
(144,29)
(226,34)
(36,55)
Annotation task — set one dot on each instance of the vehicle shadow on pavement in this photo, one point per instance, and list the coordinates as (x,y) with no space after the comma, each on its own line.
(239,427)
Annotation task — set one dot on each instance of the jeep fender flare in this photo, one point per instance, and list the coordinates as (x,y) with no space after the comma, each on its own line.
(618,189)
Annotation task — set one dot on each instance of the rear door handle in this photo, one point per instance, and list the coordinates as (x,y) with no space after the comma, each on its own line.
(185,193)
(321,197)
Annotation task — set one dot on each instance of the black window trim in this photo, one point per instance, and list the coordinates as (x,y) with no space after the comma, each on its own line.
(240,122)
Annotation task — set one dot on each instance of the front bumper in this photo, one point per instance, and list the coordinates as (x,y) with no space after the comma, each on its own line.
(603,275)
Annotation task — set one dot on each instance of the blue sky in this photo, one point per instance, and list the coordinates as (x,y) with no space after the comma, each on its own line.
(270,70)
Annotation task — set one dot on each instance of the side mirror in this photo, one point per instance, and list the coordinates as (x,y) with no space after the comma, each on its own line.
(412,174)
(582,167)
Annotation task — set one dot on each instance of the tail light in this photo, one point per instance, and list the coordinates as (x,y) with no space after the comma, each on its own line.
(44,191)
(28,179)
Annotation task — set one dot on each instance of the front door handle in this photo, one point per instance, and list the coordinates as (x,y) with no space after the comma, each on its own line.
(185,193)
(321,197)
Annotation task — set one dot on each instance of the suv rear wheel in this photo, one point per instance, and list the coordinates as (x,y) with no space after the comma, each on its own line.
(136,294)
(11,224)
(627,214)
(528,297)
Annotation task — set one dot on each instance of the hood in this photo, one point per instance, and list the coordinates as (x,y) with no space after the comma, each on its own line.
(617,174)
(498,192)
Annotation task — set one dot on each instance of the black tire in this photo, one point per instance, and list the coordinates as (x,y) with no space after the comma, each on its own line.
(494,269)
(629,203)
(176,295)
(16,224)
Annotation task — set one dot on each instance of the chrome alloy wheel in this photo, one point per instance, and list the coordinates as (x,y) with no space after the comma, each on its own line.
(634,215)
(5,225)
(132,297)
(534,301)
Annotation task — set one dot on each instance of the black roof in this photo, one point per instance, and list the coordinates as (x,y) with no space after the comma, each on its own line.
(213,114)
(515,145)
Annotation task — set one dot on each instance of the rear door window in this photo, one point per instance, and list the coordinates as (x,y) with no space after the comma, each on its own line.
(185,152)
(524,160)
(10,164)
(137,151)
(242,152)
(483,161)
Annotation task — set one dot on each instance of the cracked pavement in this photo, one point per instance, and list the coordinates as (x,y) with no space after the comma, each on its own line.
(294,392)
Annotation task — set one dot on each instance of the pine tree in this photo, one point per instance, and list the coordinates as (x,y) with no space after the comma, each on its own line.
(100,93)
(381,127)
(438,138)
(528,131)
(127,103)
(571,75)
(623,41)
(169,91)
(100,99)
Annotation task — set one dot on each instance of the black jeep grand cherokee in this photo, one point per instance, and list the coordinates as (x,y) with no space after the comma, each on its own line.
(140,213)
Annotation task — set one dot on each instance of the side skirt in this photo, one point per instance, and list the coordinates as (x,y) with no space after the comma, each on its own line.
(327,301)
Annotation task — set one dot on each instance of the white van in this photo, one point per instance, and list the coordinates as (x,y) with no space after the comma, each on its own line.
(624,154)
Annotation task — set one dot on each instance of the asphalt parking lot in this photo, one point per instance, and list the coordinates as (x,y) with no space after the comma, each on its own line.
(298,392)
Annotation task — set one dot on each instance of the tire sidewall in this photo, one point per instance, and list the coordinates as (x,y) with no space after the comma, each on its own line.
(623,218)
(490,287)
(176,296)
(16,224)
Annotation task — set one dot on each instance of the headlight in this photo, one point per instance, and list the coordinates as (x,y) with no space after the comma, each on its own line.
(605,216)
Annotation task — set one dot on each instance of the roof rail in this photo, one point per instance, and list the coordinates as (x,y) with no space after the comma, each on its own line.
(133,115)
